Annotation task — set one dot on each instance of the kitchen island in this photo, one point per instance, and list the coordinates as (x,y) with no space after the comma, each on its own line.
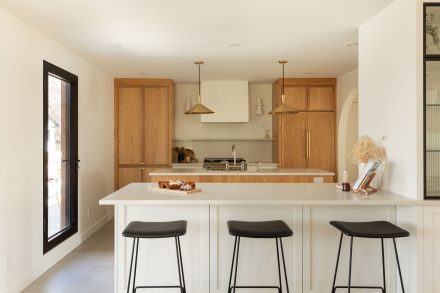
(207,246)
(264,175)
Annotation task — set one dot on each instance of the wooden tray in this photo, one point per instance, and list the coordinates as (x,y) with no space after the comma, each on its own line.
(174,191)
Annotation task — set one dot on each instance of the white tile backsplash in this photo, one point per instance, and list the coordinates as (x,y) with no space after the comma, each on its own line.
(190,127)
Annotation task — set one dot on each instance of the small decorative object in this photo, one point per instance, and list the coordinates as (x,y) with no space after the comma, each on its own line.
(267,133)
(366,150)
(188,104)
(345,183)
(259,107)
(367,175)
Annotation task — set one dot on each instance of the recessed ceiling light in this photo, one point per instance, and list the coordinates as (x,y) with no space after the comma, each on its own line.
(234,45)
(115,46)
(352,44)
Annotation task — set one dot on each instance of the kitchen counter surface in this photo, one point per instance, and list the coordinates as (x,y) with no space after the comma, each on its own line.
(262,172)
(255,194)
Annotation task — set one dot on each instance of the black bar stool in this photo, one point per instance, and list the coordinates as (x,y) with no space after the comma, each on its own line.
(269,229)
(377,229)
(139,230)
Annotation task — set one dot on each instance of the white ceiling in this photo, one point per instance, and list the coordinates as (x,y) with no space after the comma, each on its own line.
(162,38)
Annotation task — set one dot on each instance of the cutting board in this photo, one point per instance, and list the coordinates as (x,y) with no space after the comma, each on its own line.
(174,191)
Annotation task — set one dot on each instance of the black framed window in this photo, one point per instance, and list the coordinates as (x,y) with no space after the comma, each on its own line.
(60,155)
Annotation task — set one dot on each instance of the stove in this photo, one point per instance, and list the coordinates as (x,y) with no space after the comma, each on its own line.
(219,164)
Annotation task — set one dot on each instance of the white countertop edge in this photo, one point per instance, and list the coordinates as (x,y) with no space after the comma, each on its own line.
(408,202)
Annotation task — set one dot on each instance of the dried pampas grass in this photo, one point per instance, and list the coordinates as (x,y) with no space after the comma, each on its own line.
(366,150)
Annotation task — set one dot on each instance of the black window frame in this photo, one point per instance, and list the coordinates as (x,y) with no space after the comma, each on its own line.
(72,228)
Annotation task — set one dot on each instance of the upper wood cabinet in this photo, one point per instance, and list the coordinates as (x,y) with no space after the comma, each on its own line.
(321,98)
(305,139)
(144,127)
(130,126)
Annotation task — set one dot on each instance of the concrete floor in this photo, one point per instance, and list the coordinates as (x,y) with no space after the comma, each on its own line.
(88,269)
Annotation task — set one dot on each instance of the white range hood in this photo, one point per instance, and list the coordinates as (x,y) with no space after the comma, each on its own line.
(228,99)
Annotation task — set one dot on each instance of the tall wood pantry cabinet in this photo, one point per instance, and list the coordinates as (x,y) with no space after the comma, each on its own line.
(305,139)
(144,128)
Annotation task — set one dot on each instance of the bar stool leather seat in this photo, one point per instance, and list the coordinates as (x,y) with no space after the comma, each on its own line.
(265,229)
(138,229)
(375,229)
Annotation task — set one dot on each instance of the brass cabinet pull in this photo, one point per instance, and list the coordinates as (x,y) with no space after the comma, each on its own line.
(308,144)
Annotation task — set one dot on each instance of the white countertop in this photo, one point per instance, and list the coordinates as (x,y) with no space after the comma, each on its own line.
(254,194)
(262,172)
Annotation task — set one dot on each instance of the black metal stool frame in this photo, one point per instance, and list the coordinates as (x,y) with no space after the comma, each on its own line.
(181,286)
(234,271)
(349,287)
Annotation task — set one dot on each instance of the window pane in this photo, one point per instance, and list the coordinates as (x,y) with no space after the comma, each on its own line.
(432,26)
(432,128)
(58,155)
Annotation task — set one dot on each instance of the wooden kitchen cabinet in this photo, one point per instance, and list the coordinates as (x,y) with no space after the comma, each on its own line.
(321,140)
(144,128)
(321,98)
(305,139)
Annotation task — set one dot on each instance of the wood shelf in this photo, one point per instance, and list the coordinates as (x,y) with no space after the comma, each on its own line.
(224,139)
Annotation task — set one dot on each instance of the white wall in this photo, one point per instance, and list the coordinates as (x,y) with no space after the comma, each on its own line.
(388,91)
(347,121)
(189,126)
(22,52)
(347,83)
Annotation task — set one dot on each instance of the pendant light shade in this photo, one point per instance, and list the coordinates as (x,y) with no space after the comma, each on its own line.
(199,108)
(283,108)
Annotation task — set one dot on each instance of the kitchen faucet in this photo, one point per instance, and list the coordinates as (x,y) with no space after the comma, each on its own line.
(234,153)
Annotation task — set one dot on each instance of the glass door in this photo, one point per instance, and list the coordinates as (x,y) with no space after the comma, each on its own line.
(60,155)
(431,100)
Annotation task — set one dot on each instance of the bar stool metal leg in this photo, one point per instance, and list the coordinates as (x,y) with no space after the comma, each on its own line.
(351,258)
(135,265)
(384,290)
(232,265)
(280,290)
(131,265)
(181,265)
(236,264)
(337,264)
(178,265)
(398,265)
(284,265)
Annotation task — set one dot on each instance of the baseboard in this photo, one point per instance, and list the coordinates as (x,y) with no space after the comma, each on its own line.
(56,255)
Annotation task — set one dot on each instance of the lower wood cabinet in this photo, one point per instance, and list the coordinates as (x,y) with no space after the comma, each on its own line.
(246,179)
(132,174)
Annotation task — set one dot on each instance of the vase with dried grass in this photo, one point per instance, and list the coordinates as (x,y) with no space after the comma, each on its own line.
(365,150)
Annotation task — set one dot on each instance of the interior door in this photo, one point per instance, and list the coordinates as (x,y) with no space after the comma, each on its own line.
(131,126)
(157,123)
(294,140)
(321,140)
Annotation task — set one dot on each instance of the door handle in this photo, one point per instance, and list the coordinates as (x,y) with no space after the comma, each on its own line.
(308,144)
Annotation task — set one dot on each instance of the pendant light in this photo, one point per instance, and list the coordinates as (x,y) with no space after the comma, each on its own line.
(199,108)
(283,108)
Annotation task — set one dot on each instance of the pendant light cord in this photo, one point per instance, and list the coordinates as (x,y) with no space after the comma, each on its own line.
(283,79)
(199,79)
